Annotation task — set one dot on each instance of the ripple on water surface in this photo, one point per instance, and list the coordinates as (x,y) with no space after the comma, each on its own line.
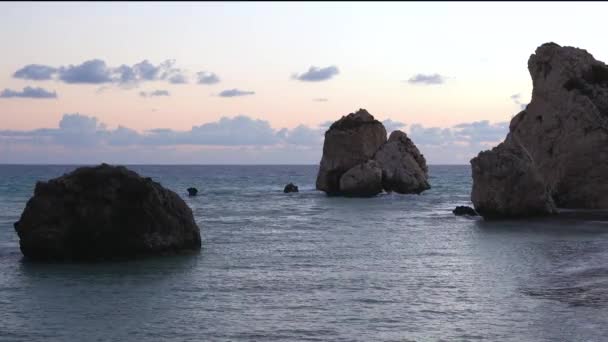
(306,267)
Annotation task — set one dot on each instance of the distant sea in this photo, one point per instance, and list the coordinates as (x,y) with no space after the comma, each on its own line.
(306,267)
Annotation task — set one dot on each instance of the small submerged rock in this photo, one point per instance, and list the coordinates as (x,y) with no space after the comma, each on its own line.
(462,210)
(104,212)
(290,188)
(192,191)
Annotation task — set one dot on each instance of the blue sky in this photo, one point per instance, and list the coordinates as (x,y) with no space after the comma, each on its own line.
(258,82)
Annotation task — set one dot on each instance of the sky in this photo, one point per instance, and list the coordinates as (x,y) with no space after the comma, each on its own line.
(259,83)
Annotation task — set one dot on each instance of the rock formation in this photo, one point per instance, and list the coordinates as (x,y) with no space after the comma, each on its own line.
(362,180)
(507,184)
(290,188)
(104,212)
(352,140)
(403,167)
(359,161)
(192,191)
(556,152)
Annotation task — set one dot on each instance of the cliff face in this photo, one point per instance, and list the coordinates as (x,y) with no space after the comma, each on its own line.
(563,132)
(507,184)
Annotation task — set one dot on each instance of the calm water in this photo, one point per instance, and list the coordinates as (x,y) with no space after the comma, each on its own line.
(305,267)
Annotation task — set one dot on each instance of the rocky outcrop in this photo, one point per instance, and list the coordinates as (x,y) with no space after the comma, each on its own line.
(290,188)
(363,180)
(359,161)
(104,212)
(192,191)
(463,210)
(403,167)
(563,137)
(350,141)
(507,184)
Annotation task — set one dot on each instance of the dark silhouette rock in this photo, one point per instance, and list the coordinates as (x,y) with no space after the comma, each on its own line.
(192,191)
(104,212)
(464,211)
(563,133)
(359,161)
(290,188)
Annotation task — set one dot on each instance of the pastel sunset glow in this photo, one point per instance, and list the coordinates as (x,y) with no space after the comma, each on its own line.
(259,83)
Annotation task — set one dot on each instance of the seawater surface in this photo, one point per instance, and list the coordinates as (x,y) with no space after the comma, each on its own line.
(306,267)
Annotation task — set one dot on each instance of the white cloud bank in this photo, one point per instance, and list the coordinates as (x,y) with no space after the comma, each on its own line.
(237,140)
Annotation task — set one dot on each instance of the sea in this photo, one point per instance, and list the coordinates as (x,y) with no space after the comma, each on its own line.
(307,267)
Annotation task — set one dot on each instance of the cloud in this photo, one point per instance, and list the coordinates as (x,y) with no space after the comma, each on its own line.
(121,136)
(205,77)
(326,124)
(516,98)
(77,130)
(155,93)
(302,135)
(481,131)
(35,72)
(96,71)
(470,133)
(239,139)
(124,75)
(240,130)
(459,143)
(29,92)
(391,125)
(145,71)
(320,99)
(316,74)
(430,135)
(235,92)
(424,79)
(178,78)
(74,130)
(149,72)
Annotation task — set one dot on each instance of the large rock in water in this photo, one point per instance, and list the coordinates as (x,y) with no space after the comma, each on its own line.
(359,161)
(403,167)
(507,184)
(362,180)
(352,140)
(104,212)
(563,130)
